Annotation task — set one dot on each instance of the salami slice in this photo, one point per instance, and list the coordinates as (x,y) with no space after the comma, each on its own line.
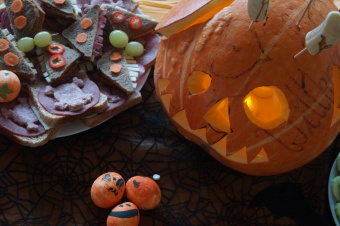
(69,98)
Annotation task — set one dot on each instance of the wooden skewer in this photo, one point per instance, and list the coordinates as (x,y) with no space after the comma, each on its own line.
(324,36)
(304,12)
(251,25)
(299,53)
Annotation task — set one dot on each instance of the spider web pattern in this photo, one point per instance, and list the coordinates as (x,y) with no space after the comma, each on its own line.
(50,185)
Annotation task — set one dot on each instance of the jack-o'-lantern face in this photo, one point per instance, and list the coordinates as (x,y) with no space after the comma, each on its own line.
(242,95)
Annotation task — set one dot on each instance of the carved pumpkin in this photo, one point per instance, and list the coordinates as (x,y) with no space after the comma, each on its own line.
(240,94)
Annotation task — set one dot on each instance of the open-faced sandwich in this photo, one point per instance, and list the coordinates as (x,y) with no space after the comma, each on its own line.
(80,69)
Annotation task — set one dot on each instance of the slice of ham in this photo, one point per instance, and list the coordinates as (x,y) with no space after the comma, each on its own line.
(55,103)
(115,96)
(18,118)
(4,20)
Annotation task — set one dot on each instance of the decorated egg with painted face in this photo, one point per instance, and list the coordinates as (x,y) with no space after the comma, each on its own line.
(107,190)
(9,86)
(126,213)
(144,192)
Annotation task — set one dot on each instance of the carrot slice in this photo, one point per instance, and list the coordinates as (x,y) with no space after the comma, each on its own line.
(116,56)
(11,59)
(59,2)
(17,6)
(81,37)
(20,22)
(4,45)
(115,68)
(86,23)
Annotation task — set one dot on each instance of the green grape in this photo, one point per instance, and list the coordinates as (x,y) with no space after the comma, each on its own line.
(134,49)
(26,44)
(118,38)
(42,39)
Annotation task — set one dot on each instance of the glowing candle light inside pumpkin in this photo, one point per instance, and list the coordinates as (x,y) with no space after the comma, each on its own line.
(266,107)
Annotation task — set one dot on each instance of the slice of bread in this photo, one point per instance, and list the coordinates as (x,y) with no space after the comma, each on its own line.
(122,79)
(58,16)
(52,120)
(34,14)
(65,11)
(93,44)
(56,76)
(24,69)
(148,24)
(99,118)
(32,141)
(19,122)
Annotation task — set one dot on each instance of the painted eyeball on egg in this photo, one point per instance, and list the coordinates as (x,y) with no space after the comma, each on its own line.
(126,213)
(9,86)
(143,191)
(107,190)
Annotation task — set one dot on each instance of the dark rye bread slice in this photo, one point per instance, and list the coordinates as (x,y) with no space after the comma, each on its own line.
(121,80)
(148,24)
(65,10)
(55,76)
(34,14)
(24,70)
(88,48)
(51,120)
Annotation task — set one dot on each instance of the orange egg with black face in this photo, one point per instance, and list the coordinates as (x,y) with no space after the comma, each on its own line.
(126,213)
(143,191)
(9,86)
(107,190)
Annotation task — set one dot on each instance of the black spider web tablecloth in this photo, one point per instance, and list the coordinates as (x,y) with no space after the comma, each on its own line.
(50,185)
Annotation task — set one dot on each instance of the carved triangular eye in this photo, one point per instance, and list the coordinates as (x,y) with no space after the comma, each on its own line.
(267,107)
(198,82)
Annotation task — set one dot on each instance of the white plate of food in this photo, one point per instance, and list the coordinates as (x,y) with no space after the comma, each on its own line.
(93,36)
(333,191)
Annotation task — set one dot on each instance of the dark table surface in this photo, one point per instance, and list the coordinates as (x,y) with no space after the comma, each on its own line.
(50,185)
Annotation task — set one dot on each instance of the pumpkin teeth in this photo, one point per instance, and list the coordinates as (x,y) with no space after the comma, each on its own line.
(260,157)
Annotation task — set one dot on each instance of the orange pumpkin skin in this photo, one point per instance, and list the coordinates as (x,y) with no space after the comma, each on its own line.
(9,86)
(239,60)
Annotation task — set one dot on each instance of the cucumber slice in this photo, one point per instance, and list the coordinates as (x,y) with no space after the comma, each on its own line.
(338,163)
(336,188)
(337,210)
